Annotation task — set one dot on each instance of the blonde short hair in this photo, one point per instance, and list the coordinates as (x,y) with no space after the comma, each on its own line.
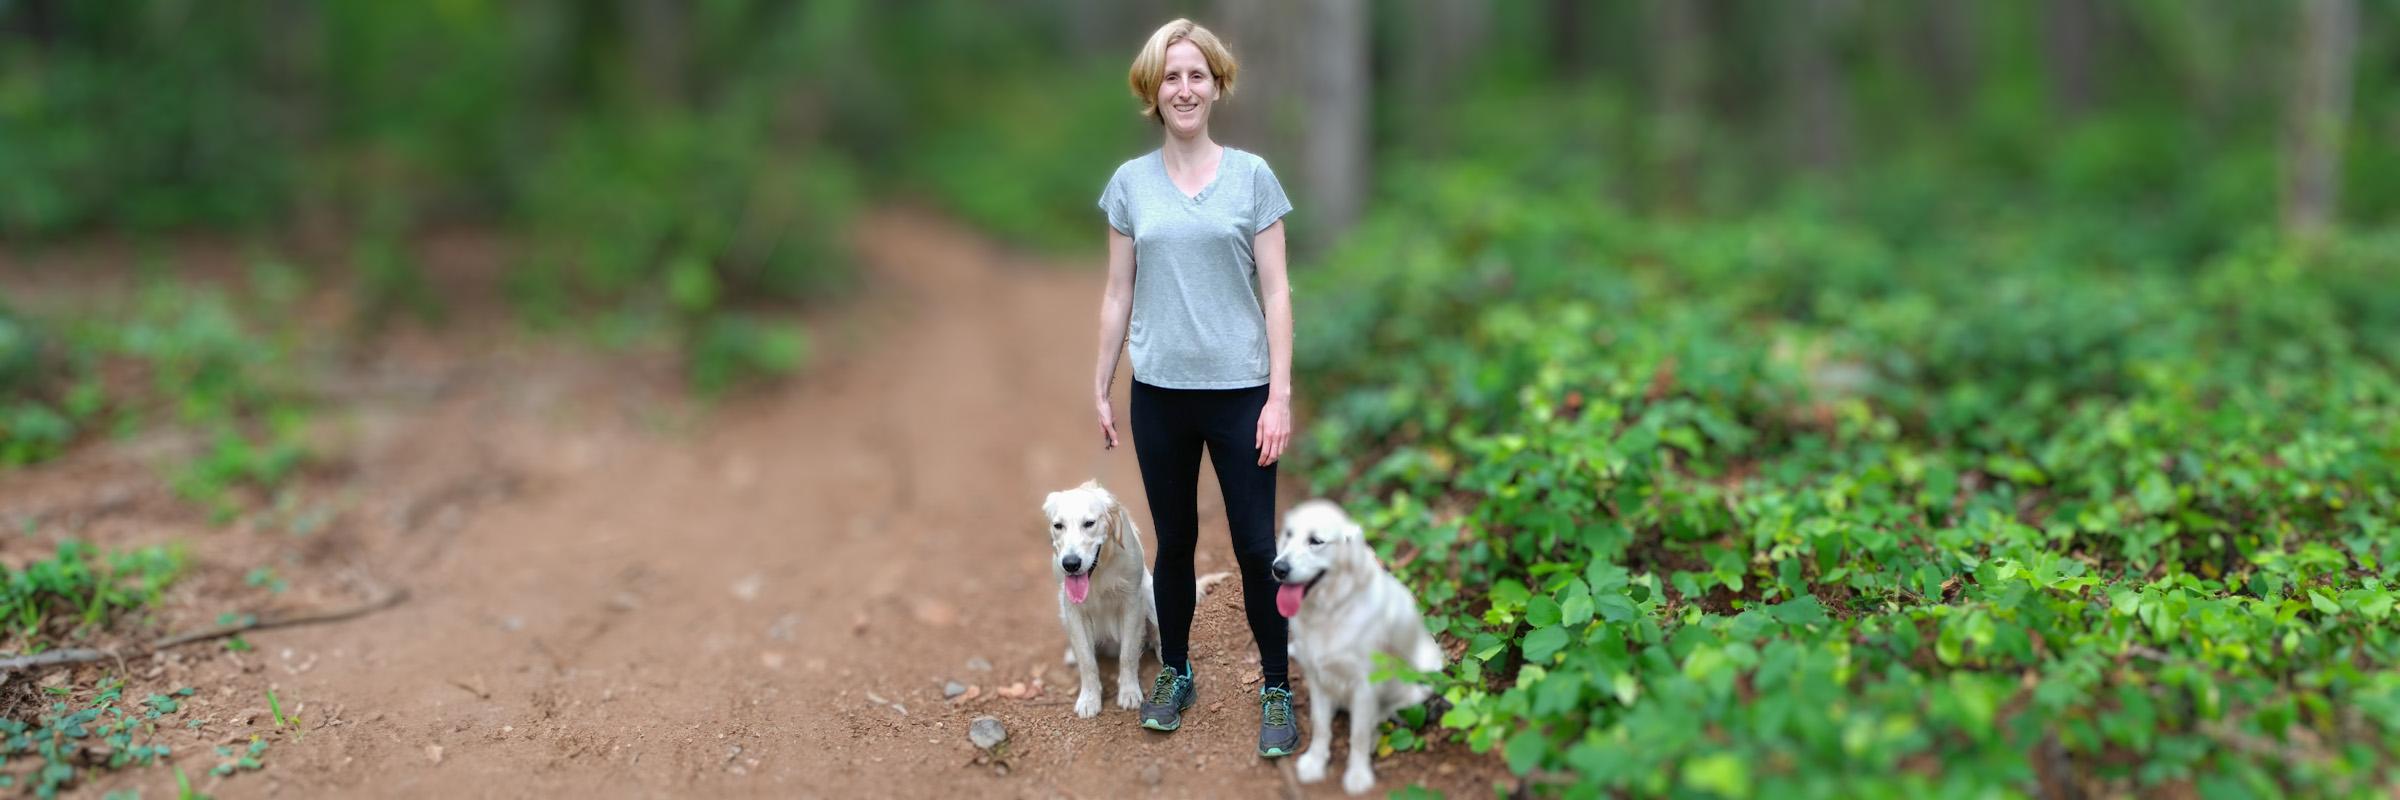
(1150,66)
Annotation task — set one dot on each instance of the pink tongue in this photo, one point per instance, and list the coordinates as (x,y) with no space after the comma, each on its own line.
(1287,598)
(1078,586)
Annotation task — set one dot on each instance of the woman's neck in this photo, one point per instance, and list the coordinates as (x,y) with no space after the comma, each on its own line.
(1182,153)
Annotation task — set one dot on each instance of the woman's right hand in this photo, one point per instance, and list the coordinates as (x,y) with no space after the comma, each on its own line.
(1108,424)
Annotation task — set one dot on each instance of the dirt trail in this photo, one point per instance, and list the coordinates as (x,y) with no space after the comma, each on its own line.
(747,610)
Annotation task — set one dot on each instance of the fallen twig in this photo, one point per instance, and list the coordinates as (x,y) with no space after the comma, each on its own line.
(80,655)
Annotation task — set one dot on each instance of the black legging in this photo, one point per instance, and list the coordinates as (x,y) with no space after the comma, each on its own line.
(1169,427)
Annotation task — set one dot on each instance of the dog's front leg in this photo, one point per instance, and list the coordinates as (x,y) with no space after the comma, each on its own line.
(1320,734)
(1130,627)
(1365,718)
(1079,640)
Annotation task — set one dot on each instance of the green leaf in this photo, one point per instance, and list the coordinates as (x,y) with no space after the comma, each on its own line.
(1524,750)
(1508,595)
(1557,694)
(1575,604)
(1722,773)
(1485,646)
(1541,644)
(1542,612)
(2323,603)
(1802,610)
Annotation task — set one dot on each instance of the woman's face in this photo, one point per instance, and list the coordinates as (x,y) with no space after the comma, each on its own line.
(1185,96)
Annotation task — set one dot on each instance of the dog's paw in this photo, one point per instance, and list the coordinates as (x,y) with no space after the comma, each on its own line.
(1359,779)
(1129,699)
(1311,767)
(1087,705)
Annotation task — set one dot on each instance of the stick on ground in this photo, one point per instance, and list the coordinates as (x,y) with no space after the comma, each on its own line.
(80,655)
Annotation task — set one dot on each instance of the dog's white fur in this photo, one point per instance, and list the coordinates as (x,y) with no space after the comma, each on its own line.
(1119,612)
(1353,610)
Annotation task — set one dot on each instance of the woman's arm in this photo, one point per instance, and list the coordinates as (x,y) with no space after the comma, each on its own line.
(1275,421)
(1116,306)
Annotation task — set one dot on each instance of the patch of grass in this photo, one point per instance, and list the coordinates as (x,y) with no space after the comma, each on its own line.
(80,589)
(175,356)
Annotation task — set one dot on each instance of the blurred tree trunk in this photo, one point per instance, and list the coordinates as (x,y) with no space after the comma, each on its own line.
(1440,41)
(1570,51)
(35,20)
(1302,103)
(2067,38)
(1818,99)
(661,30)
(2317,112)
(1947,55)
(1679,63)
(1114,28)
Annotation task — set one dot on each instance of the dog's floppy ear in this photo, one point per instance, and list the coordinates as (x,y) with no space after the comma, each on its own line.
(1050,505)
(1123,520)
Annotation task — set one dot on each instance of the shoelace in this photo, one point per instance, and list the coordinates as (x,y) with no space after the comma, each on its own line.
(1162,691)
(1278,707)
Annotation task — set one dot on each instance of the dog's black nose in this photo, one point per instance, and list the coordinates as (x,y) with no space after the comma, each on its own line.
(1281,570)
(1072,564)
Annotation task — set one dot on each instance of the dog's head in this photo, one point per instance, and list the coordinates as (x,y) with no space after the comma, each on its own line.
(1317,537)
(1082,520)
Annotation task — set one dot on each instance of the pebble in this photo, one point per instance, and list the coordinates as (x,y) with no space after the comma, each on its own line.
(986,732)
(953,689)
(978,664)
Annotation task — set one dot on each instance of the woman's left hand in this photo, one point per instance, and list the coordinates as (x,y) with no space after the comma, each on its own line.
(1274,430)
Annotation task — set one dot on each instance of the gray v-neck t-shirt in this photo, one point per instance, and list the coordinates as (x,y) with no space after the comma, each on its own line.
(1198,322)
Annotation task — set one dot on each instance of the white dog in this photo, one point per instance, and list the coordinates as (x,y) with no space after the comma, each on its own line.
(1344,609)
(1104,590)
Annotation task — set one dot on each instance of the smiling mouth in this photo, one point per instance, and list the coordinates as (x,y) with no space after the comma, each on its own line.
(1187,109)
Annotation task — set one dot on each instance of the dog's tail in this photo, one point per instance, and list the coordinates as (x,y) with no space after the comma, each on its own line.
(1201,586)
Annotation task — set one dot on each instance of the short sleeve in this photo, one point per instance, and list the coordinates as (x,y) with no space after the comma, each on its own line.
(1113,204)
(1269,204)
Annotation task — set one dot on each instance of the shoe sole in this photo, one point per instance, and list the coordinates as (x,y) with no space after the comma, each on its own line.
(1273,752)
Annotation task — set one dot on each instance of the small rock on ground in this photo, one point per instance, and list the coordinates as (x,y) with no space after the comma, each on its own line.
(953,689)
(986,733)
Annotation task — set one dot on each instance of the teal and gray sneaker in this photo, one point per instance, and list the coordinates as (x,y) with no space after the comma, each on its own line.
(1278,735)
(1169,696)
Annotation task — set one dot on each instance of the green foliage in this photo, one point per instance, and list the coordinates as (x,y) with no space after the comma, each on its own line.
(179,356)
(1905,499)
(689,220)
(79,589)
(1025,159)
(50,754)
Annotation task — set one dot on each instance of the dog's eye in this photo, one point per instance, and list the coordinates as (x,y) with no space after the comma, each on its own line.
(1314,541)
(1058,526)
(1087,523)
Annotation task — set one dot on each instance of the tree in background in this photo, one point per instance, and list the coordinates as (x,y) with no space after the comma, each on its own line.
(2317,113)
(1306,108)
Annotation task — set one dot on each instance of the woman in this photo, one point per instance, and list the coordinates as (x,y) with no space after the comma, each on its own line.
(1196,292)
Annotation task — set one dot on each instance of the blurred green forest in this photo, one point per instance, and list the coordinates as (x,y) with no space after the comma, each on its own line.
(1839,398)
